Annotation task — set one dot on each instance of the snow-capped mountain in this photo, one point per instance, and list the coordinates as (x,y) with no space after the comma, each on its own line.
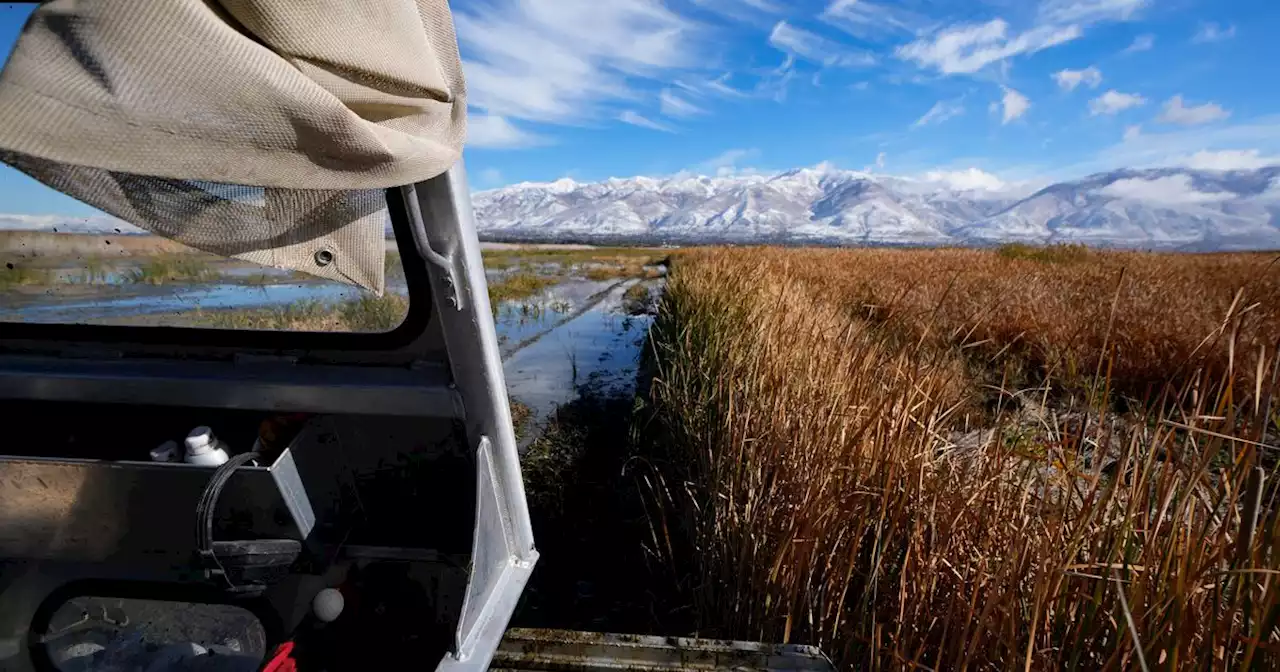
(1163,208)
(1155,208)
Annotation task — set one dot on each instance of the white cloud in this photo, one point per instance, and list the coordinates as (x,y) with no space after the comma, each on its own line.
(880,159)
(940,112)
(741,9)
(1088,11)
(1132,133)
(675,106)
(1070,79)
(1175,112)
(1113,102)
(727,163)
(871,20)
(1170,190)
(970,48)
(1163,148)
(1140,43)
(721,86)
(800,43)
(1230,159)
(492,131)
(563,61)
(489,178)
(635,119)
(1212,32)
(1014,105)
(966,180)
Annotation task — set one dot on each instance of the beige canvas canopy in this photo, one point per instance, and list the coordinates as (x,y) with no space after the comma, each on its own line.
(260,129)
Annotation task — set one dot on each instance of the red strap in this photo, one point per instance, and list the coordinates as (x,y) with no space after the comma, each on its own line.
(281,660)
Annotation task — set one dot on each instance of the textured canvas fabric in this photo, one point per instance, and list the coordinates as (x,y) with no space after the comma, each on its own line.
(260,129)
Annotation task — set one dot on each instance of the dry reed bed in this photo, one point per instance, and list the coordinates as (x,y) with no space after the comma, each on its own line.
(804,487)
(1053,314)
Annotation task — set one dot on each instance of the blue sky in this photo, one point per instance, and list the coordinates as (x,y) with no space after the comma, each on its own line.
(981,91)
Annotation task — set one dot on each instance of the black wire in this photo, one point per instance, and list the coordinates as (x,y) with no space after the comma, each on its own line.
(209,503)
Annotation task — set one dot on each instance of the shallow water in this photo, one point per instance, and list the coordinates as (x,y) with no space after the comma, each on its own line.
(596,351)
(569,337)
(119,303)
(520,320)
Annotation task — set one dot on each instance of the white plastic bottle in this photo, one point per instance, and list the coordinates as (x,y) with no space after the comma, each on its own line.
(204,449)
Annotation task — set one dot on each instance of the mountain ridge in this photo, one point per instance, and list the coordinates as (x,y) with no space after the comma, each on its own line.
(1154,208)
(1164,208)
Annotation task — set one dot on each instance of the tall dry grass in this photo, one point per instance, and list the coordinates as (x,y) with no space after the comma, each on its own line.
(1052,313)
(812,480)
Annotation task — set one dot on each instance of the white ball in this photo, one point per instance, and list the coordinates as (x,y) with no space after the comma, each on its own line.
(327,604)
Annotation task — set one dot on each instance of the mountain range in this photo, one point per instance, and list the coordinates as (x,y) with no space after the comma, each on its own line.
(1162,208)
(1166,208)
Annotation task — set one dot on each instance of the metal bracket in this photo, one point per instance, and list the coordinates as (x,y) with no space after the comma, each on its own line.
(443,262)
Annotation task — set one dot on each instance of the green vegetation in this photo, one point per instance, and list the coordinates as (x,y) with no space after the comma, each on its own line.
(517,286)
(364,314)
(95,271)
(637,300)
(1054,254)
(588,519)
(169,268)
(504,258)
(521,414)
(12,275)
(374,313)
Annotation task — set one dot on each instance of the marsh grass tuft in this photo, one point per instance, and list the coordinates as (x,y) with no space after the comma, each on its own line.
(517,286)
(363,314)
(15,275)
(170,268)
(817,472)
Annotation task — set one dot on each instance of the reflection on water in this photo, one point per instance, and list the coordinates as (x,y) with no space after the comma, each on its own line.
(566,338)
(597,350)
(520,320)
(144,300)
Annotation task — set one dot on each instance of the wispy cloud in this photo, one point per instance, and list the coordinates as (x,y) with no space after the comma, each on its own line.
(970,48)
(565,61)
(1114,102)
(729,162)
(1230,159)
(1163,190)
(1177,112)
(740,9)
(872,20)
(940,112)
(489,178)
(1070,79)
(636,119)
(1132,132)
(800,43)
(492,131)
(673,105)
(1013,105)
(1212,32)
(968,179)
(1088,11)
(1174,147)
(1140,43)
(721,86)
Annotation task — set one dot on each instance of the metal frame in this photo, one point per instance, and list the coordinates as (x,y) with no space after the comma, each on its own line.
(503,553)
(402,372)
